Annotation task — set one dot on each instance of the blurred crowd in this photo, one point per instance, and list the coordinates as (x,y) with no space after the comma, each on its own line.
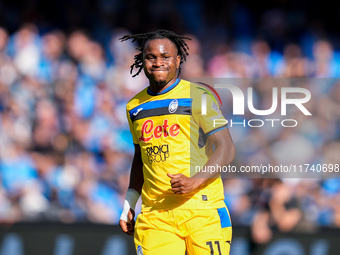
(66,149)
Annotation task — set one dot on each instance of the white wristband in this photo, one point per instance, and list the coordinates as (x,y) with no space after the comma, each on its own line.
(130,202)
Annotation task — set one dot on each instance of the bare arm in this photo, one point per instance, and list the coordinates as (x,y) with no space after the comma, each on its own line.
(136,183)
(136,175)
(223,155)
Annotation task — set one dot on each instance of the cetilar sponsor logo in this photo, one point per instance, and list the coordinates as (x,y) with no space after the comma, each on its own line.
(136,112)
(173,106)
(149,130)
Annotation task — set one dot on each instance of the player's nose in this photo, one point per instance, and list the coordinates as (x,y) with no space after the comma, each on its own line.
(158,62)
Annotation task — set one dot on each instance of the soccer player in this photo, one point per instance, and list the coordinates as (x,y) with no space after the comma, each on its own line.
(182,211)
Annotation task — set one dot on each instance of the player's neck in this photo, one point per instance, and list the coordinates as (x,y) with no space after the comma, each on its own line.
(158,88)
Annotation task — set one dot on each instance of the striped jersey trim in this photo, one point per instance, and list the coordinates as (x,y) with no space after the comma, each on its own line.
(161,107)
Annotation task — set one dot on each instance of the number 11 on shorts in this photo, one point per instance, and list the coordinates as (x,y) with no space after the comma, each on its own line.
(217,243)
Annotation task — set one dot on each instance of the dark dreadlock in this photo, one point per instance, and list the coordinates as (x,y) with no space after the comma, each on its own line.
(181,45)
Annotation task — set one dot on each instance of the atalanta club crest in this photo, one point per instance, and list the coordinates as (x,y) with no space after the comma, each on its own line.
(173,106)
(139,250)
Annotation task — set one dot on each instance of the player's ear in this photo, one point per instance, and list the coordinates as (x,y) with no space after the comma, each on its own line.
(178,61)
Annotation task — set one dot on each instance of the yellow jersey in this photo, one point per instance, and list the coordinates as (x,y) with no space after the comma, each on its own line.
(171,131)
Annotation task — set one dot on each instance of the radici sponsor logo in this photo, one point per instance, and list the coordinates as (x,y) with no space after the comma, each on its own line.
(239,106)
(157,154)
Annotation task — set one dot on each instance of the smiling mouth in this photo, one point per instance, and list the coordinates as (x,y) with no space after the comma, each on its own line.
(158,70)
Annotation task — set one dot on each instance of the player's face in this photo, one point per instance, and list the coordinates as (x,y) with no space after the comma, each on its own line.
(160,62)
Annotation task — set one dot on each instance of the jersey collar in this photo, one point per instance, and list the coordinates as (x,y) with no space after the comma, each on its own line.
(151,93)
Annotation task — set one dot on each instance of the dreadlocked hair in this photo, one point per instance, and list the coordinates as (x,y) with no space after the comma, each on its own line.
(182,47)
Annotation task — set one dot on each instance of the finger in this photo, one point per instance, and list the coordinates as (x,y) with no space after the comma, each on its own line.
(131,229)
(130,215)
(132,223)
(177,189)
(176,180)
(130,232)
(176,185)
(174,175)
(123,226)
(133,212)
(170,175)
(179,192)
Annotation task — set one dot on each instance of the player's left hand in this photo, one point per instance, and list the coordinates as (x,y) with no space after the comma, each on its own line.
(182,184)
(128,227)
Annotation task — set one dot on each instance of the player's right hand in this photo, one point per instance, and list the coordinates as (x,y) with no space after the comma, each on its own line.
(129,226)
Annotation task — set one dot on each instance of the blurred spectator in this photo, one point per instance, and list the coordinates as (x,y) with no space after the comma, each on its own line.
(265,58)
(194,65)
(293,64)
(25,45)
(277,209)
(326,61)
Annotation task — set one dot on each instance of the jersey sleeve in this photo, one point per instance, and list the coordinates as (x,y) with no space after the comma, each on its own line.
(132,129)
(209,118)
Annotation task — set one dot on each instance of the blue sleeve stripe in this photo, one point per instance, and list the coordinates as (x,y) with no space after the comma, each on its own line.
(216,130)
(224,217)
